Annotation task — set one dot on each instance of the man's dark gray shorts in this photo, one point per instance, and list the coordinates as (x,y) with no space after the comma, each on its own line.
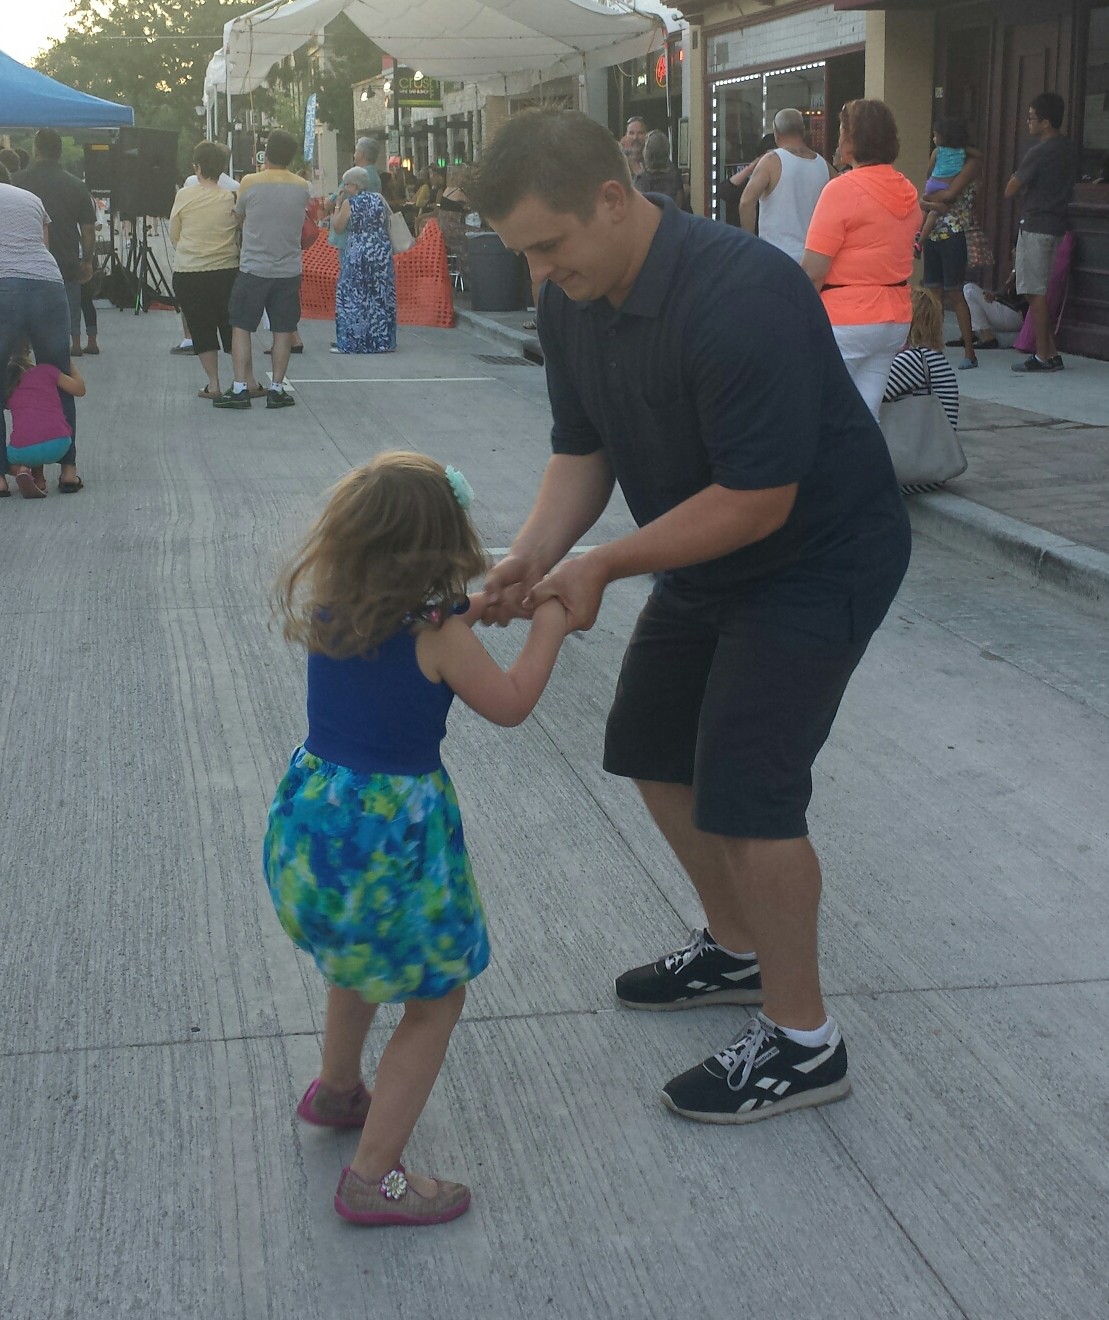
(735,698)
(251,295)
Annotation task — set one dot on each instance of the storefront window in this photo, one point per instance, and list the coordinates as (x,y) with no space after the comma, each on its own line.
(743,111)
(1095,118)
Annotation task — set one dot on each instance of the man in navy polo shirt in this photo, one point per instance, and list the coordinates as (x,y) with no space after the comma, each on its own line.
(695,365)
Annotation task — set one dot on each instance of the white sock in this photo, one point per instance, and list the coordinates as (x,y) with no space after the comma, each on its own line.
(185,343)
(811,1039)
(749,956)
(239,385)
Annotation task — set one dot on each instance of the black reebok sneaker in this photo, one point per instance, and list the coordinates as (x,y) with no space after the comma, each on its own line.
(762,1073)
(279,399)
(237,399)
(701,973)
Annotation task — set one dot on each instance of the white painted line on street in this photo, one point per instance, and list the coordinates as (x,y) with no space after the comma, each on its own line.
(388,380)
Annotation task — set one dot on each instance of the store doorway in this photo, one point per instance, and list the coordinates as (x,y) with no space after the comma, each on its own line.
(846,81)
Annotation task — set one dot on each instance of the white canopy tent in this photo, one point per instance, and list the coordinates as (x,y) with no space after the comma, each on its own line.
(505,46)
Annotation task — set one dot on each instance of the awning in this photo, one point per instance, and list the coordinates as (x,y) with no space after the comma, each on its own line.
(29,99)
(504,45)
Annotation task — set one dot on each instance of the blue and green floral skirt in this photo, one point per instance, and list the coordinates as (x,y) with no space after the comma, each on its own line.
(369,874)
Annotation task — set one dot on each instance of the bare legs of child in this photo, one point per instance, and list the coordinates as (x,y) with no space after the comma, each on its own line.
(409,1065)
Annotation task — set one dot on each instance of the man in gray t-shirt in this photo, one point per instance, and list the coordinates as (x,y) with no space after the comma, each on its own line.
(271,209)
(1045,180)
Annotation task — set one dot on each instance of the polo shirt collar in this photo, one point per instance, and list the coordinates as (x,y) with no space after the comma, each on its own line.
(655,280)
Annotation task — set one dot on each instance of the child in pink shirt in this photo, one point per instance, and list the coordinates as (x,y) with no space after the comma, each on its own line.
(40,433)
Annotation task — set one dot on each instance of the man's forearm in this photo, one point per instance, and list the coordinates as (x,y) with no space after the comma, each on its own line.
(714,522)
(88,242)
(748,214)
(572,496)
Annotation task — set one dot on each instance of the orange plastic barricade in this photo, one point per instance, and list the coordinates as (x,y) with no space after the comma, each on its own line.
(424,293)
(320,273)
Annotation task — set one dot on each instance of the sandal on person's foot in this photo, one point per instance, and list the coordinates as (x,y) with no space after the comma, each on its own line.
(91,350)
(208,393)
(28,488)
(70,487)
(394,1201)
(323,1107)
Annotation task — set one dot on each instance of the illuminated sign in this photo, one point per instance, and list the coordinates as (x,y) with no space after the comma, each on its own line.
(660,70)
(415,89)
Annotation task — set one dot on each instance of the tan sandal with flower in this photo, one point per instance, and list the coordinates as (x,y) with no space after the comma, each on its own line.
(394,1201)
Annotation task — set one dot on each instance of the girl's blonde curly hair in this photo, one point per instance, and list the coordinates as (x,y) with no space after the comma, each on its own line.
(392,544)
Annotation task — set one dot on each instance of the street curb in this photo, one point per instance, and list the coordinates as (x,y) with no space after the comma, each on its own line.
(523,341)
(1044,558)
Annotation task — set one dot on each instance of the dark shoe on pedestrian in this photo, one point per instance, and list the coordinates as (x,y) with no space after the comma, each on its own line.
(279,399)
(183,350)
(958,343)
(70,486)
(233,399)
(393,1201)
(323,1107)
(1032,365)
(700,973)
(762,1073)
(984,345)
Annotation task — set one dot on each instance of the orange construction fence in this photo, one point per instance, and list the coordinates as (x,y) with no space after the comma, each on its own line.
(424,293)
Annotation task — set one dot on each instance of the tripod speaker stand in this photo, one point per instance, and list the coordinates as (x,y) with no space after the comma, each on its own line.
(142,266)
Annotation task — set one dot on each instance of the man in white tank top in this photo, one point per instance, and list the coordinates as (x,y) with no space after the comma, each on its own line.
(782,190)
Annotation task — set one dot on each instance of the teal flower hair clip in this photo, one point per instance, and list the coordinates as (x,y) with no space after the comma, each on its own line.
(463,491)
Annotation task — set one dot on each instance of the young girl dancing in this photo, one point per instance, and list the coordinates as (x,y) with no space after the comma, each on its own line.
(364,856)
(40,433)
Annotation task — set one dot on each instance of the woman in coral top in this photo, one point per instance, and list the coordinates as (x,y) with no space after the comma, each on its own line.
(859,248)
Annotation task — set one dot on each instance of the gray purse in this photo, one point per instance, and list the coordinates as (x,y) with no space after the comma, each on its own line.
(922,442)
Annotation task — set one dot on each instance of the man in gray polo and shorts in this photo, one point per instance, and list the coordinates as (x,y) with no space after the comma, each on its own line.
(271,207)
(1045,179)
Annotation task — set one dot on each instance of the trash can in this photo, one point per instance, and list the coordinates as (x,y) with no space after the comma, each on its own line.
(498,277)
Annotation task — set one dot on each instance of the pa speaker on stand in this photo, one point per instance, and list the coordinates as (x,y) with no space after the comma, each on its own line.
(144,187)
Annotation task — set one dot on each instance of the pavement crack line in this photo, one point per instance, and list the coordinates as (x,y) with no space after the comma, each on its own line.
(997,657)
(892,1215)
(534,1015)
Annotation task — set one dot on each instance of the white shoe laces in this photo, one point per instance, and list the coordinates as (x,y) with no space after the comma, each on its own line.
(740,1055)
(698,943)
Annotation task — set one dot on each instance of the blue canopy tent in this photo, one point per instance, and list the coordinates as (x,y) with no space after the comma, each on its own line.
(32,100)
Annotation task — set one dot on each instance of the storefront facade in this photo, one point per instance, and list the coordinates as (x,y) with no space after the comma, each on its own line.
(988,60)
(810,58)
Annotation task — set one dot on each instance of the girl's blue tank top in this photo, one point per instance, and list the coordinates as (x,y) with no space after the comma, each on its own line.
(377,714)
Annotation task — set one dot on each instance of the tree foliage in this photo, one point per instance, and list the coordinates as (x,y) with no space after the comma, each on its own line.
(152,55)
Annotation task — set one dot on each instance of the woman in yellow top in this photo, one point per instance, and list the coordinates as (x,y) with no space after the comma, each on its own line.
(205,234)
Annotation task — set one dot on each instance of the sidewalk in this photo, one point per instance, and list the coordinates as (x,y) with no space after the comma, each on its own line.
(1037,486)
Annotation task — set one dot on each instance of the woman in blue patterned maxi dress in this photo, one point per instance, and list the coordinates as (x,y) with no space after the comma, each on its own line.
(366,295)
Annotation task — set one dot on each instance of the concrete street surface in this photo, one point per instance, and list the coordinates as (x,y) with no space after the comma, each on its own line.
(157,1027)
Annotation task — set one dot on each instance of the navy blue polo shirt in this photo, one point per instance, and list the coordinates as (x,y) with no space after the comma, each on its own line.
(721,368)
